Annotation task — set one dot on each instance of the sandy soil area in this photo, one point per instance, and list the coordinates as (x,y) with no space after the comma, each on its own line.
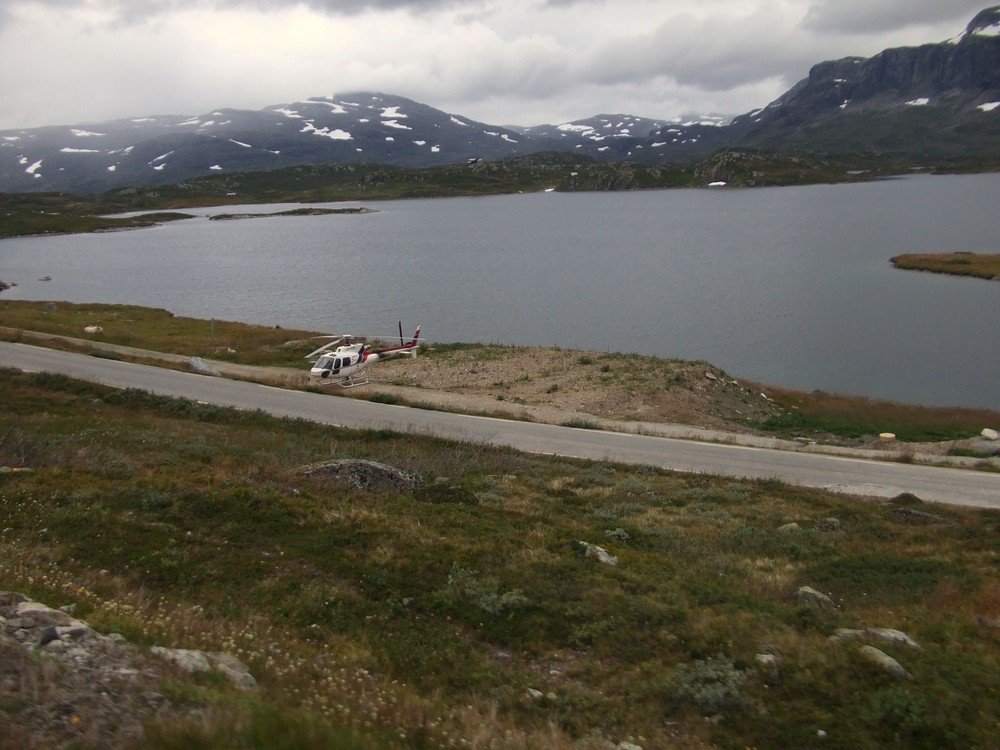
(578,385)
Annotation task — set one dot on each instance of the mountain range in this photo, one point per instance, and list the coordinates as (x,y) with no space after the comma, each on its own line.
(932,102)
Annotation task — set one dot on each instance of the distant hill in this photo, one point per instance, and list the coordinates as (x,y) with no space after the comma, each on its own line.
(936,101)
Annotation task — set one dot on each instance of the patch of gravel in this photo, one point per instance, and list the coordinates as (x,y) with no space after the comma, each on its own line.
(578,384)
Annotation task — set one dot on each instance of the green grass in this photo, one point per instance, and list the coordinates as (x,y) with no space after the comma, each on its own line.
(419,619)
(58,213)
(162,331)
(955,264)
(819,413)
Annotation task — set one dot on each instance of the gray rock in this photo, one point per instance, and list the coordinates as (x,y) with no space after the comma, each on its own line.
(885,662)
(892,636)
(200,366)
(809,596)
(602,555)
(197,662)
(365,475)
(845,634)
(789,528)
(769,666)
(828,525)
(988,622)
(187,660)
(885,635)
(912,515)
(986,447)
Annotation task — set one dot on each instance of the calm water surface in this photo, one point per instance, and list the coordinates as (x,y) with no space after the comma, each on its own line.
(788,286)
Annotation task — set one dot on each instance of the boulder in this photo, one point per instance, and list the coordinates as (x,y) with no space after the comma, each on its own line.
(603,556)
(892,636)
(200,366)
(195,662)
(990,434)
(986,446)
(912,515)
(884,662)
(809,596)
(769,667)
(828,525)
(885,635)
(361,474)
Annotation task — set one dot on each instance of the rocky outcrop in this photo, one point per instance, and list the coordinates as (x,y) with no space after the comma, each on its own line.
(933,99)
(371,476)
(201,662)
(592,550)
(884,662)
(63,684)
(810,597)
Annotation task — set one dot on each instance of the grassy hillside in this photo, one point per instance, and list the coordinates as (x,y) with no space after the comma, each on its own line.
(467,612)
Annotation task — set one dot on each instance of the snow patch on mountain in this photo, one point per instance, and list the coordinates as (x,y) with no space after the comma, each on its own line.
(335,134)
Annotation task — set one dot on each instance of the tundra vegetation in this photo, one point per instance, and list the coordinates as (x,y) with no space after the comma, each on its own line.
(480,608)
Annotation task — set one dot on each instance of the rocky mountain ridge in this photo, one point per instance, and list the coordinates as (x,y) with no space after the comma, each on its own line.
(931,99)
(939,101)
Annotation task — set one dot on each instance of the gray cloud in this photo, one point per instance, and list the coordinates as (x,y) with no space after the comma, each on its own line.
(879,16)
(132,12)
(501,61)
(709,53)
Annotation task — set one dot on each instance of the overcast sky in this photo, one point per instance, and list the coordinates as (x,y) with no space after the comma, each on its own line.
(522,62)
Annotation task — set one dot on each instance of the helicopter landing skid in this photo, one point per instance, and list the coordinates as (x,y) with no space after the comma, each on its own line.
(353,381)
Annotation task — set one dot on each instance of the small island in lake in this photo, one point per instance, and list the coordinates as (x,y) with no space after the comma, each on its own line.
(958,264)
(294,212)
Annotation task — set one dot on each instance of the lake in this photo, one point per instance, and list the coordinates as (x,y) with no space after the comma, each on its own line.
(787,286)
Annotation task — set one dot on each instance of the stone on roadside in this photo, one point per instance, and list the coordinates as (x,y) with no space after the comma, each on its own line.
(986,446)
(200,366)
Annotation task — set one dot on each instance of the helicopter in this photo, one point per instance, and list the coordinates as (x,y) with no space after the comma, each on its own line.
(345,365)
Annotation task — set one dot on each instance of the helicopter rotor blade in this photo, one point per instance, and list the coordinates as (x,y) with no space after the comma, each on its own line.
(317,352)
